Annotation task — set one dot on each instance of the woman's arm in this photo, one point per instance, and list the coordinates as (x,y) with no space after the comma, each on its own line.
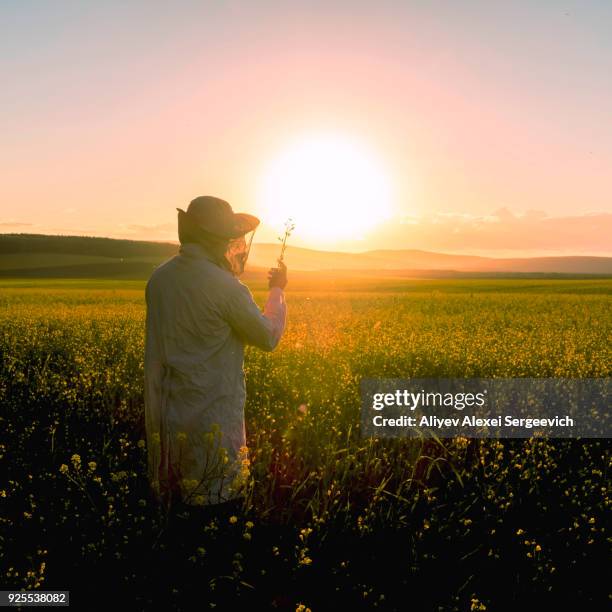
(263,330)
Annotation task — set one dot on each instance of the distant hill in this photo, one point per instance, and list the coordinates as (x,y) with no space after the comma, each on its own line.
(84,245)
(309,259)
(42,256)
(37,255)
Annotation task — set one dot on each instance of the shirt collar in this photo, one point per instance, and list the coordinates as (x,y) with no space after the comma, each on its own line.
(191,249)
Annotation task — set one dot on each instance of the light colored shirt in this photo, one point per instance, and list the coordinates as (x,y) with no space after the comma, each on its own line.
(199,318)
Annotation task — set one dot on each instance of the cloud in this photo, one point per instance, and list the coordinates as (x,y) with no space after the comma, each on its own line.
(501,231)
(14,224)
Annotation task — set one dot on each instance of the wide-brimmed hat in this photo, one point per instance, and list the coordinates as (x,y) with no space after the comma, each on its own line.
(215,216)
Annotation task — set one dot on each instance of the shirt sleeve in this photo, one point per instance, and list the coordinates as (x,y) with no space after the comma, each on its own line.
(261,329)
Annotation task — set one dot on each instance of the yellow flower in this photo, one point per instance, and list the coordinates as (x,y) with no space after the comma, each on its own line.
(519,532)
(243,453)
(249,525)
(64,468)
(189,483)
(305,561)
(304,533)
(92,466)
(233,519)
(76,460)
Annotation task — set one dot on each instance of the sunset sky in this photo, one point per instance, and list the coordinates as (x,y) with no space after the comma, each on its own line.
(476,127)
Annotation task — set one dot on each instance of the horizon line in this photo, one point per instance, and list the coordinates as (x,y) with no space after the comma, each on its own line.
(303,248)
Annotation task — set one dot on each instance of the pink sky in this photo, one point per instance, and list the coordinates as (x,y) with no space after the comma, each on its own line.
(113,116)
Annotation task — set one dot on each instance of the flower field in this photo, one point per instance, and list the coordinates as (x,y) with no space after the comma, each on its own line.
(332,520)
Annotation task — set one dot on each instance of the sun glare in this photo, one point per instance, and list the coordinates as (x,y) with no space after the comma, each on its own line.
(332,187)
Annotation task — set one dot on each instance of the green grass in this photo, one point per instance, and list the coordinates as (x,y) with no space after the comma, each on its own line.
(311,282)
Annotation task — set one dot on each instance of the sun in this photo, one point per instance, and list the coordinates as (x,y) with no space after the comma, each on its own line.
(332,187)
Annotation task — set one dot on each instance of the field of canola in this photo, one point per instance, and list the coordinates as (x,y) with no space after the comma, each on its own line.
(332,520)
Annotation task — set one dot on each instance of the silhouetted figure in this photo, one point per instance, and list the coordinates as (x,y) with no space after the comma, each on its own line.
(199,318)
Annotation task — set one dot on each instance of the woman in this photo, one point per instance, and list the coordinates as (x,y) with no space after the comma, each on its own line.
(199,318)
